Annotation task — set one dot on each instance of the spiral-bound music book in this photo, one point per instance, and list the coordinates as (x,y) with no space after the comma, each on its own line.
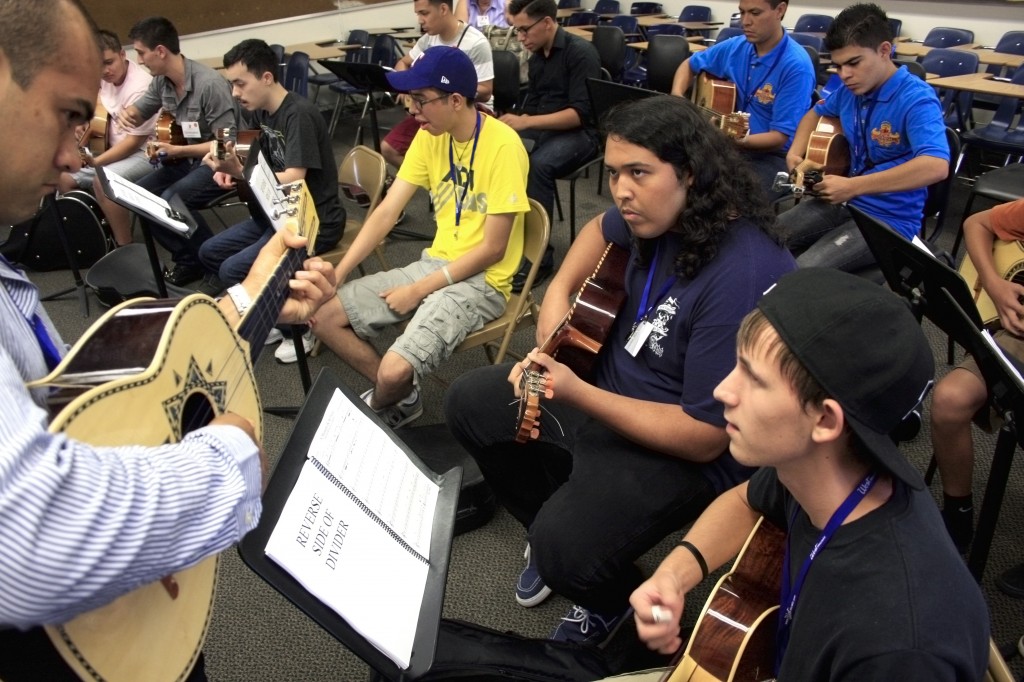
(357,532)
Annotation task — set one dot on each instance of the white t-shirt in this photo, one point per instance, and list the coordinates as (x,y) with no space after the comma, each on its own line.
(473,43)
(117,97)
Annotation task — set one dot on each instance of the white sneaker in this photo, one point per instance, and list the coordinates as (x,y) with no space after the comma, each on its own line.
(401,413)
(273,337)
(285,353)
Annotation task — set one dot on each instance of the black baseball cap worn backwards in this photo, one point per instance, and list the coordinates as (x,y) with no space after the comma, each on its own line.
(863,345)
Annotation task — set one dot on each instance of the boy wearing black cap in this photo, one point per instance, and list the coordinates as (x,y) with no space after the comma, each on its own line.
(873,588)
(474,167)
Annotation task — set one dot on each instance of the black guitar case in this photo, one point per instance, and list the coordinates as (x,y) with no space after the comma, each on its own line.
(36,243)
(126,273)
(440,451)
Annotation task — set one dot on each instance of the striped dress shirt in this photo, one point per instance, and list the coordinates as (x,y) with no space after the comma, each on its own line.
(81,525)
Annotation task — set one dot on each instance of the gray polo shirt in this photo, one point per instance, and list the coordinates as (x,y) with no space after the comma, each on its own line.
(207,100)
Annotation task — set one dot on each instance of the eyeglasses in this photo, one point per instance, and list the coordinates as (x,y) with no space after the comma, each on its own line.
(419,102)
(523,30)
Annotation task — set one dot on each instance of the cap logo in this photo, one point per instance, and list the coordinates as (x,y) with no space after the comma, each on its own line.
(444,79)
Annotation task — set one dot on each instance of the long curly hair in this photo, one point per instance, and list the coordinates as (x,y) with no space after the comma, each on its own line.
(723,188)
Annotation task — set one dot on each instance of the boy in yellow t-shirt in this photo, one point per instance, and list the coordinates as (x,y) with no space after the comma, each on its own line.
(475,169)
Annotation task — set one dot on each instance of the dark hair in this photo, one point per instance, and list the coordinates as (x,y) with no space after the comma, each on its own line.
(438,3)
(752,329)
(256,55)
(32,32)
(154,31)
(108,40)
(864,25)
(723,187)
(535,9)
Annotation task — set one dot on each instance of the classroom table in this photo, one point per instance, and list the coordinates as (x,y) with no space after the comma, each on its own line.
(981,83)
(322,49)
(644,45)
(566,13)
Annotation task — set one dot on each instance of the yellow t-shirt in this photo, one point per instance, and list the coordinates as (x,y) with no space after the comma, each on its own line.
(498,185)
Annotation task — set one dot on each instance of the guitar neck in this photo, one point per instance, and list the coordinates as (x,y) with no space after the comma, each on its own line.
(262,315)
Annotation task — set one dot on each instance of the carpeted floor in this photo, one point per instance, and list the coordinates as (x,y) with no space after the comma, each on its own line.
(257,635)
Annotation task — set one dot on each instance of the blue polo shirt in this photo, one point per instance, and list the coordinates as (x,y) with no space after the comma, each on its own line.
(899,121)
(774,89)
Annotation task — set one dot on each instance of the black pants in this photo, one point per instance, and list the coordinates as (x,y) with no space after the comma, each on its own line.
(592,501)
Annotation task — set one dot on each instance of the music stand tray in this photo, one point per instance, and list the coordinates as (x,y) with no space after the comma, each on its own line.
(252,548)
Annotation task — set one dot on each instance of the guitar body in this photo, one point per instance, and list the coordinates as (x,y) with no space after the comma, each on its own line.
(715,94)
(1009,262)
(828,148)
(97,138)
(579,337)
(734,640)
(169,132)
(172,366)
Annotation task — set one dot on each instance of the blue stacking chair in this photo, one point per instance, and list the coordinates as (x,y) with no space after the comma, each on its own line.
(728,32)
(296,74)
(646,8)
(582,19)
(956,105)
(813,23)
(948,37)
(607,7)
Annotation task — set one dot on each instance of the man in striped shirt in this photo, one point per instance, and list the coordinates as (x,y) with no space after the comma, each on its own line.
(82,525)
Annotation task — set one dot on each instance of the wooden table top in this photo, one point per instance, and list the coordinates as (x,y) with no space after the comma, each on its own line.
(322,49)
(644,45)
(981,83)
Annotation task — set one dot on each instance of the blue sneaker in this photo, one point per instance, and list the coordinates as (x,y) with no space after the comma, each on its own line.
(586,627)
(531,590)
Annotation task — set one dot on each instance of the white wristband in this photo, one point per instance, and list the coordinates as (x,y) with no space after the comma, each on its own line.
(447,275)
(240,297)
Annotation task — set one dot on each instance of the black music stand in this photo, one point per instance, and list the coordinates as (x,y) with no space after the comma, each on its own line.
(253,546)
(50,204)
(938,292)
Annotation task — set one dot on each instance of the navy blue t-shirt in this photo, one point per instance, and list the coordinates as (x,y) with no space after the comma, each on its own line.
(693,344)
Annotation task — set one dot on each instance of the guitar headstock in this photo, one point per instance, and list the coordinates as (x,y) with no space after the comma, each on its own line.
(736,125)
(303,219)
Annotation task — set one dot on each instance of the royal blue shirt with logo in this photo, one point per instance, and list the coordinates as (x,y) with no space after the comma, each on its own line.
(692,346)
(774,89)
(899,121)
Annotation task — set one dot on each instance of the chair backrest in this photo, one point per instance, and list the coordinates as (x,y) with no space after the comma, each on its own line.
(506,80)
(296,74)
(582,19)
(361,177)
(1006,111)
(628,23)
(728,32)
(607,7)
(808,40)
(610,43)
(734,20)
(948,37)
(813,23)
(937,200)
(821,74)
(1011,42)
(946,62)
(695,13)
(568,4)
(278,51)
(913,66)
(664,30)
(646,8)
(386,51)
(664,56)
(896,26)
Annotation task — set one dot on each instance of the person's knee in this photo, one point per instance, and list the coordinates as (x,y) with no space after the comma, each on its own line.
(394,370)
(477,398)
(957,398)
(330,316)
(563,565)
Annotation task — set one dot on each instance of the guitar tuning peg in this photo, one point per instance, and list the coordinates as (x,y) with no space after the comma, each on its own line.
(534,433)
(549,394)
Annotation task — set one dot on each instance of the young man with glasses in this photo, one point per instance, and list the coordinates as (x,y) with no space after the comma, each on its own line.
(556,115)
(474,167)
(440,26)
(774,81)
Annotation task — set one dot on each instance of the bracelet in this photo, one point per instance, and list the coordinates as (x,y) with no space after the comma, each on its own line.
(447,275)
(240,297)
(696,555)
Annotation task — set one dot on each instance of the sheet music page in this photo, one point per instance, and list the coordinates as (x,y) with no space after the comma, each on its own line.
(144,200)
(364,458)
(1007,364)
(350,563)
(264,186)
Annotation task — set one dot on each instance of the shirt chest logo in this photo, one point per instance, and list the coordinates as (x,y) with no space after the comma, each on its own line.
(885,136)
(765,94)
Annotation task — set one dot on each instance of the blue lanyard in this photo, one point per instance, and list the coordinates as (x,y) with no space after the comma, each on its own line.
(791,591)
(780,48)
(861,153)
(455,173)
(644,310)
(50,352)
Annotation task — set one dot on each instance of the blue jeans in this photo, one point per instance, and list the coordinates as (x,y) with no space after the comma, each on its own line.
(823,235)
(193,183)
(554,155)
(592,501)
(230,254)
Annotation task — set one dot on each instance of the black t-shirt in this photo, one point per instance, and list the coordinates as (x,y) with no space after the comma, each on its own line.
(295,136)
(888,598)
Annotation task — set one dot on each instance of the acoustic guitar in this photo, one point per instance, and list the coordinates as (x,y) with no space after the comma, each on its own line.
(168,131)
(578,338)
(734,639)
(717,98)
(1009,262)
(828,153)
(177,365)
